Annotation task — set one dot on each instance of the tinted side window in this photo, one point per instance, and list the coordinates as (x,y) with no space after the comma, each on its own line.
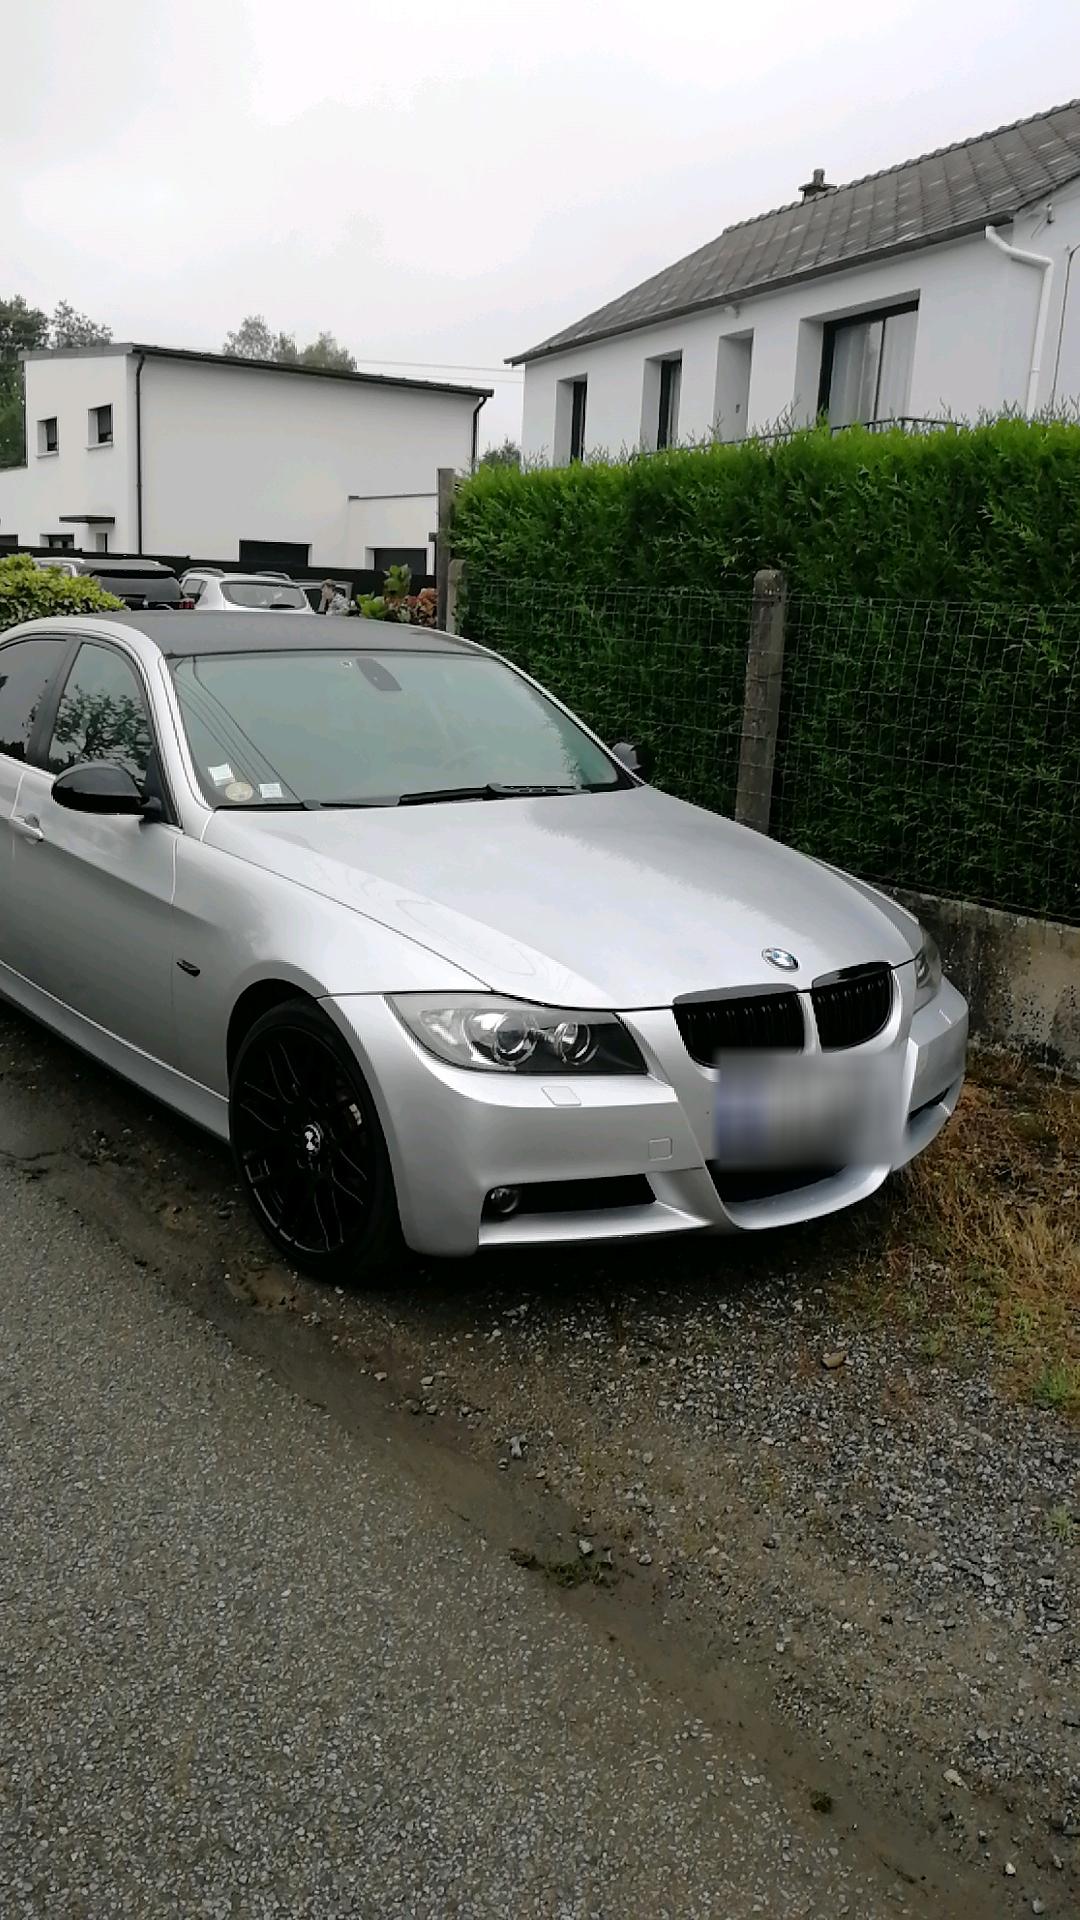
(102,715)
(26,667)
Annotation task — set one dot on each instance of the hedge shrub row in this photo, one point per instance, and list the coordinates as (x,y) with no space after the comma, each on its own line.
(930,726)
(28,592)
(983,513)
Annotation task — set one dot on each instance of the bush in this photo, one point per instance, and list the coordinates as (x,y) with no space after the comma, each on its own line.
(966,514)
(930,719)
(28,592)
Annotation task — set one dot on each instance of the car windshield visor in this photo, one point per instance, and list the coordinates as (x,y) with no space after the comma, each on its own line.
(360,729)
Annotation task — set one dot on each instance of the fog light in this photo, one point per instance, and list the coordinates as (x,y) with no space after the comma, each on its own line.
(503,1201)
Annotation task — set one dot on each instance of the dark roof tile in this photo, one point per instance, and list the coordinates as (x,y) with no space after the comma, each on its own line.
(950,191)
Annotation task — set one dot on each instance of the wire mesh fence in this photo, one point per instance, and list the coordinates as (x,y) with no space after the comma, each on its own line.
(662,665)
(936,746)
(926,745)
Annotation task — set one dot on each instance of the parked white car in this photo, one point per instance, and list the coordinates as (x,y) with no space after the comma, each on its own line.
(213,592)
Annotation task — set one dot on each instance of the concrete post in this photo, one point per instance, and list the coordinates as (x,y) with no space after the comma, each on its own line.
(445,483)
(453,589)
(761,703)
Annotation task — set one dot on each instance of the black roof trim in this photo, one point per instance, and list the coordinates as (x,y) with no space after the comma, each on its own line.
(129,347)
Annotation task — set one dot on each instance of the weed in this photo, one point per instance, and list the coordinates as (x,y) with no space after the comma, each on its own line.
(1058,1386)
(976,1248)
(1061,1524)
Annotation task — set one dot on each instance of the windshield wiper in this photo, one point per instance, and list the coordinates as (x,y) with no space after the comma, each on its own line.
(383,800)
(493,790)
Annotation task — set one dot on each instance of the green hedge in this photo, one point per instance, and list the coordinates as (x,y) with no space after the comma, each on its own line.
(930,721)
(967,514)
(28,592)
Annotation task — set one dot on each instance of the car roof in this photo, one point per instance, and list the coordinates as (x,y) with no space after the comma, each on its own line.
(110,563)
(260,579)
(180,635)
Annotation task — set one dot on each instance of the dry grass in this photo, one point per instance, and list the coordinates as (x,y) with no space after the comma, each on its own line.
(982,1241)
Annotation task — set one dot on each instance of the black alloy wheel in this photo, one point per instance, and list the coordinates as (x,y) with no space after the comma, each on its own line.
(309,1148)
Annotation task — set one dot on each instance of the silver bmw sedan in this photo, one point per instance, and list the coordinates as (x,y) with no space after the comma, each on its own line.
(444,969)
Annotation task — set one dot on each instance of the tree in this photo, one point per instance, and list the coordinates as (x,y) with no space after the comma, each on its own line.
(508,455)
(255,339)
(26,329)
(72,329)
(23,329)
(252,340)
(328,352)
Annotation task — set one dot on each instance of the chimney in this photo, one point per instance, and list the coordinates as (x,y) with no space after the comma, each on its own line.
(816,185)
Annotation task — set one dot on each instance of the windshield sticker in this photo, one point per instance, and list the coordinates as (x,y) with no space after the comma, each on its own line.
(219,775)
(271,790)
(239,790)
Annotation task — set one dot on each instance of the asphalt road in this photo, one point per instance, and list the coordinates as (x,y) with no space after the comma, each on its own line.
(251,1666)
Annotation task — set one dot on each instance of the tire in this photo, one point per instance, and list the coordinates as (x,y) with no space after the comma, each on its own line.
(309,1150)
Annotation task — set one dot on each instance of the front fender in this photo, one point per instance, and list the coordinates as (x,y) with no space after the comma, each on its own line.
(235,925)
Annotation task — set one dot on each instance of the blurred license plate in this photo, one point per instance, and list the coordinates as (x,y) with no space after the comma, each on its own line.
(778,1111)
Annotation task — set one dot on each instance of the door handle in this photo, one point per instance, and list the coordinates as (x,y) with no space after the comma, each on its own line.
(28,825)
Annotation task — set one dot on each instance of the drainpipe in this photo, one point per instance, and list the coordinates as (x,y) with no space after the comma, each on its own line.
(1061,322)
(1046,266)
(138,452)
(476,428)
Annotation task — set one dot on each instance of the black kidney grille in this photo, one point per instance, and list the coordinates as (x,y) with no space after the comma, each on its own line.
(853,1008)
(766,1021)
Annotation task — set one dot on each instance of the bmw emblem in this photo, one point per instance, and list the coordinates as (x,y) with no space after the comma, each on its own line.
(780,957)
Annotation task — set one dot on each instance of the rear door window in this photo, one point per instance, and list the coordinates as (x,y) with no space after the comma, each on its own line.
(26,669)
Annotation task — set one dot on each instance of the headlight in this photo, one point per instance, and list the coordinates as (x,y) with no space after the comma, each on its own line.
(927,969)
(506,1036)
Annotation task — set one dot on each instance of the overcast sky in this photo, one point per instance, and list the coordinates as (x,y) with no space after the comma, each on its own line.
(448,181)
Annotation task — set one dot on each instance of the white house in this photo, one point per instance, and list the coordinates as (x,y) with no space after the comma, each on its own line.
(940,287)
(139,449)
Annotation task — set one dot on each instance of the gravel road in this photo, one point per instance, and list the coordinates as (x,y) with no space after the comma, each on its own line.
(250,1668)
(296,1617)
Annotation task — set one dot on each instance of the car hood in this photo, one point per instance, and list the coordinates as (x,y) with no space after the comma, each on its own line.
(623,899)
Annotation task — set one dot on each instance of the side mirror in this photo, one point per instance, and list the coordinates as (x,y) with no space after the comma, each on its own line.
(635,757)
(101,787)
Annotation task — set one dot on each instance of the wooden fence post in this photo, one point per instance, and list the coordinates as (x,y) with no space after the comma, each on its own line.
(761,703)
(445,484)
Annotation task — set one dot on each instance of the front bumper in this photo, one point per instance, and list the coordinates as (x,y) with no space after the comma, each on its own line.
(454,1135)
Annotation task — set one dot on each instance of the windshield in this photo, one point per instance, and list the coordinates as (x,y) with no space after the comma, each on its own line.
(268,595)
(359,728)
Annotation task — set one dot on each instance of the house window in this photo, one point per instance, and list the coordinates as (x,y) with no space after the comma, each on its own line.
(570,396)
(100,426)
(9,540)
(667,417)
(48,435)
(734,356)
(866,366)
(577,419)
(58,542)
